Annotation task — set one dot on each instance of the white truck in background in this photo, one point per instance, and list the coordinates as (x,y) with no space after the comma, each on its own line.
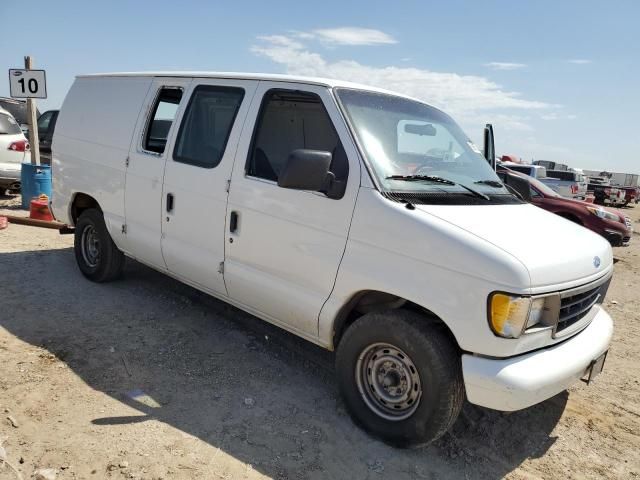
(362,220)
(535,171)
(567,183)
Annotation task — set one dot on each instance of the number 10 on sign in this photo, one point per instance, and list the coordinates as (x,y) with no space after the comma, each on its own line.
(27,83)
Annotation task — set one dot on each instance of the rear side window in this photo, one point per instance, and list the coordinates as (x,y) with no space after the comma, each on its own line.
(291,120)
(162,116)
(8,125)
(206,125)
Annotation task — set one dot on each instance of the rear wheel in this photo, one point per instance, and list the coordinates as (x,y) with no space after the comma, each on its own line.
(400,377)
(97,256)
(3,191)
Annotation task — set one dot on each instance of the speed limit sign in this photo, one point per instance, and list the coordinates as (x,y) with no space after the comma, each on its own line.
(27,83)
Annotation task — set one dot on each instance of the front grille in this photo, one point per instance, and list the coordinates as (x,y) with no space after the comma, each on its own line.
(574,307)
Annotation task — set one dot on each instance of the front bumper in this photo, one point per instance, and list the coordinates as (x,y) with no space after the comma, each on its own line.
(618,239)
(519,382)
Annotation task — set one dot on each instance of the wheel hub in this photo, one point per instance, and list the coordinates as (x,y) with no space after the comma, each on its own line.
(388,381)
(90,246)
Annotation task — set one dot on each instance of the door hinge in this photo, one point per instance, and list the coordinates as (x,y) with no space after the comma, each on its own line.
(221,268)
(228,185)
(126,161)
(124,229)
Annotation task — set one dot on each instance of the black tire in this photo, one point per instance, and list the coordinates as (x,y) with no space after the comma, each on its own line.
(102,261)
(3,191)
(438,365)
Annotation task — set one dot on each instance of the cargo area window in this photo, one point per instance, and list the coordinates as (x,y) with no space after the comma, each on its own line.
(161,118)
(291,120)
(206,125)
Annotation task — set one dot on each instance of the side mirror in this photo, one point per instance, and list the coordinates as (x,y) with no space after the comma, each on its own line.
(307,170)
(489,146)
(520,185)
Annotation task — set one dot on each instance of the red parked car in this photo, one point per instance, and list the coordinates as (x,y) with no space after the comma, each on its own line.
(609,223)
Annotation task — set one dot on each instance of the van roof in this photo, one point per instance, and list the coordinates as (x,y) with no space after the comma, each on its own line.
(272,77)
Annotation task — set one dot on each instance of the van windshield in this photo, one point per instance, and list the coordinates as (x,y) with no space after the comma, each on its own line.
(405,138)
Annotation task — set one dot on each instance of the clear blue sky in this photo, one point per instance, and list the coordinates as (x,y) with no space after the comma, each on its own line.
(558,79)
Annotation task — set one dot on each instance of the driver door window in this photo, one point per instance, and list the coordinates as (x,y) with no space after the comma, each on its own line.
(291,120)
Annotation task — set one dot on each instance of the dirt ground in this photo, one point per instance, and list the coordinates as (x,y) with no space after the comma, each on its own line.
(146,378)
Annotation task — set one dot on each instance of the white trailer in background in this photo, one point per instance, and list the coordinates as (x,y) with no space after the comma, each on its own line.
(616,178)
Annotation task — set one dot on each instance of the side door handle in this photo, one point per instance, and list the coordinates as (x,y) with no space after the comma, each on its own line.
(169,202)
(233,222)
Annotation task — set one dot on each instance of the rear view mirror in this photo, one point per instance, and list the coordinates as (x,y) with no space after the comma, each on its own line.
(307,170)
(420,129)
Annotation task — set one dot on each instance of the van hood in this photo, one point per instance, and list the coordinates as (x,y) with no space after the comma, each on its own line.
(554,250)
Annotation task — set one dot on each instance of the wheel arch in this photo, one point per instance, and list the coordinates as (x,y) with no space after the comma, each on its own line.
(80,203)
(367,301)
(572,217)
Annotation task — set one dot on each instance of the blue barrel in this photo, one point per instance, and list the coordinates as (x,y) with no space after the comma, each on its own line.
(34,181)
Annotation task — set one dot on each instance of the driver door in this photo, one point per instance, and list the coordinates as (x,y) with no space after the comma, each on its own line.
(284,246)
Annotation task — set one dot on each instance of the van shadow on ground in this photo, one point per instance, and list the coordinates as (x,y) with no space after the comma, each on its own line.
(200,359)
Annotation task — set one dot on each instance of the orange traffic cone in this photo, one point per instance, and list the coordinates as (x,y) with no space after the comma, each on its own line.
(39,209)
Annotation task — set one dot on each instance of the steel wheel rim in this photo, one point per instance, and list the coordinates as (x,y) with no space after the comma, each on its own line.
(388,381)
(90,246)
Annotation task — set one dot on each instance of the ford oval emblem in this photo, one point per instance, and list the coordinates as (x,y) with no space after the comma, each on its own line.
(596,262)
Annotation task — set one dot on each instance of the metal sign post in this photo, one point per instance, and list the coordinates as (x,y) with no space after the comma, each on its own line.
(29,84)
(34,141)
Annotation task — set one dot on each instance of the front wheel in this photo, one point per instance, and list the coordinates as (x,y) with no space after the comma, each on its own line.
(97,256)
(400,377)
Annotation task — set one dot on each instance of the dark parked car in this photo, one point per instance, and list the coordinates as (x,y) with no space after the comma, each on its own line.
(609,223)
(46,126)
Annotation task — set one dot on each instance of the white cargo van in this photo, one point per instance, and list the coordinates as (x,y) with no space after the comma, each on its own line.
(364,221)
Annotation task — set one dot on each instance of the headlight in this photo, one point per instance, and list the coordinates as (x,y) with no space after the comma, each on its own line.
(602,213)
(510,315)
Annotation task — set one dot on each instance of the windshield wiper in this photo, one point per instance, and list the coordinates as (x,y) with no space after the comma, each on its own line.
(436,179)
(413,178)
(491,183)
